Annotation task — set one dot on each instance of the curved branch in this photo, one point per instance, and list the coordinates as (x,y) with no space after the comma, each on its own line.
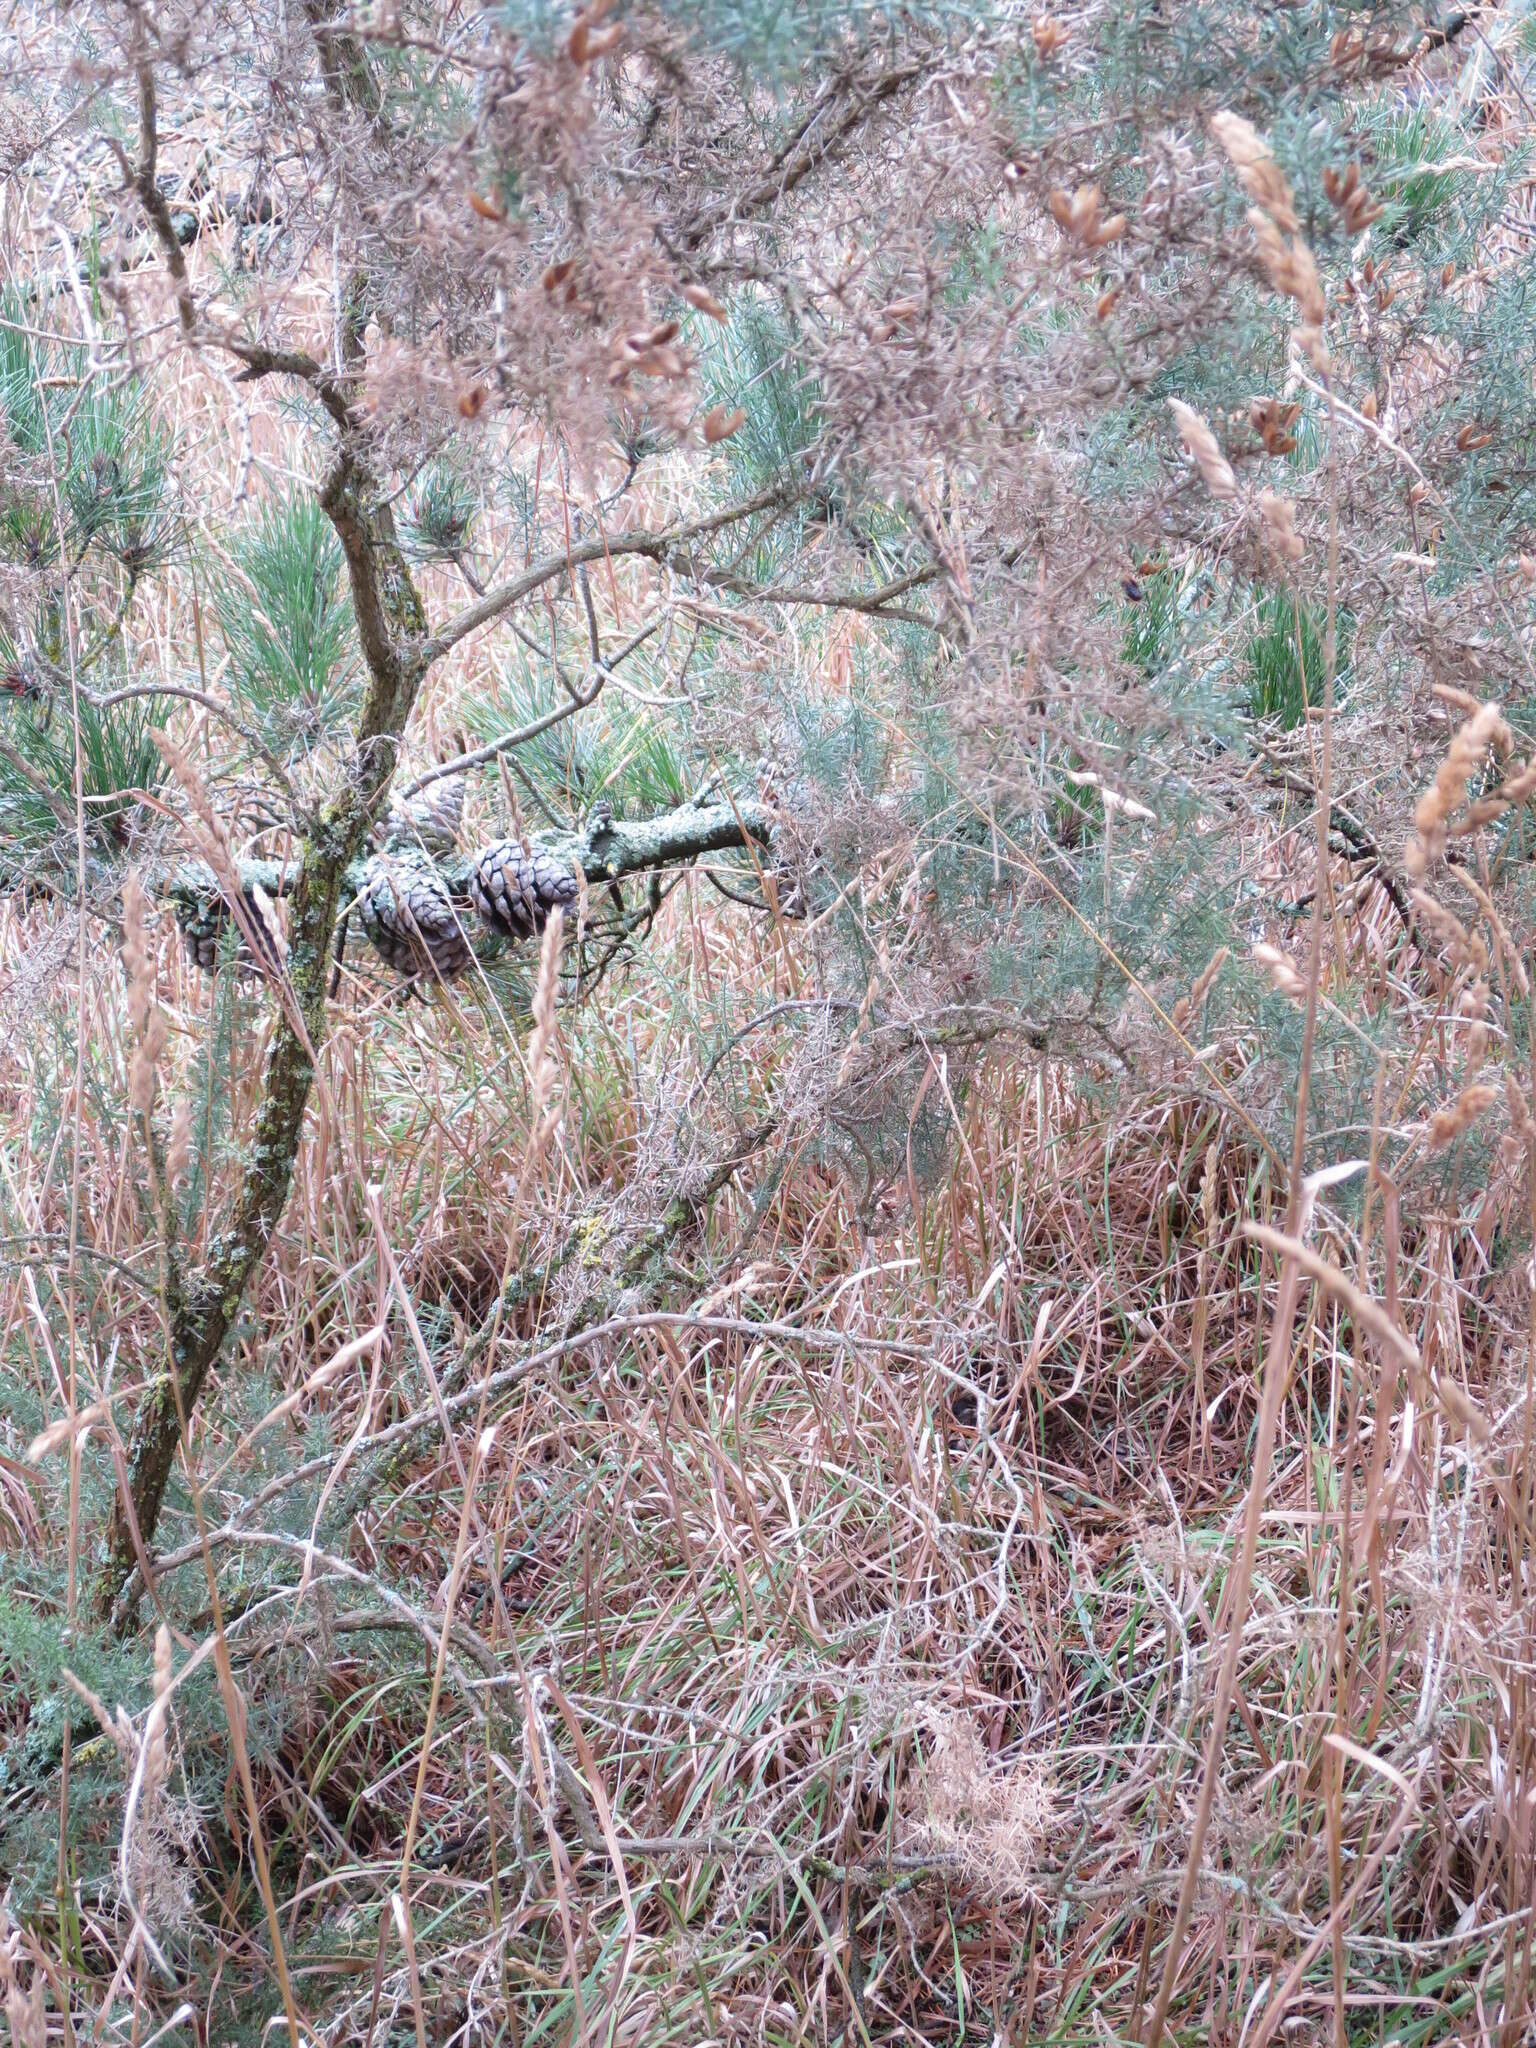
(201,1306)
(879,603)
(142,178)
(658,546)
(478,756)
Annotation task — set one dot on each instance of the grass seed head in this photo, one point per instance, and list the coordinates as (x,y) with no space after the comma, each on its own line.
(178,1151)
(1484,732)
(1205,448)
(1280,969)
(1189,1006)
(1279,516)
(1257,172)
(1446,1125)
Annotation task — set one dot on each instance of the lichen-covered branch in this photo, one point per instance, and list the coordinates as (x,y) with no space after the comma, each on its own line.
(607,851)
(332,869)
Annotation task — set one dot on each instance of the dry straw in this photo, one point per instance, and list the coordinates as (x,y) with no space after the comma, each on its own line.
(1473,1009)
(543,1068)
(1281,969)
(144,1012)
(1205,448)
(1519,1111)
(23,2003)
(178,1152)
(989,1817)
(1483,733)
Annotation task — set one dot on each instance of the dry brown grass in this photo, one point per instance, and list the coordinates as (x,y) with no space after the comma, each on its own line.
(796,1616)
(877,1586)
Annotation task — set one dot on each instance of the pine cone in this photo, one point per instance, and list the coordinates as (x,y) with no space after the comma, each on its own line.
(515,890)
(408,914)
(430,821)
(202,927)
(204,917)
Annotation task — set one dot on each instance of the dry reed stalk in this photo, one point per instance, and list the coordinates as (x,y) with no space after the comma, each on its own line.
(543,1065)
(1508,953)
(25,2012)
(1202,444)
(143,1011)
(1466,949)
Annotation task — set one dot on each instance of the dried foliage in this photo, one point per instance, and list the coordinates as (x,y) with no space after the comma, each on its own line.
(906,1417)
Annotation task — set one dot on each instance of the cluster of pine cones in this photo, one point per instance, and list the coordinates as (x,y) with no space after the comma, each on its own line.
(414,920)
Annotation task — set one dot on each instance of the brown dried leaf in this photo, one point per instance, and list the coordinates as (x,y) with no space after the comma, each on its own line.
(701,297)
(1280,526)
(721,421)
(1049,36)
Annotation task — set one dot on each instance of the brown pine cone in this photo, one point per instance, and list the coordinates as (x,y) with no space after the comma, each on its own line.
(516,889)
(203,920)
(408,914)
(429,821)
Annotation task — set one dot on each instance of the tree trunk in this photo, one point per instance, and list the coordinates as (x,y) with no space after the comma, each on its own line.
(201,1308)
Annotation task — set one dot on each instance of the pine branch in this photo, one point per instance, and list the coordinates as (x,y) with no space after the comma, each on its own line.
(505,742)
(143,180)
(814,142)
(350,85)
(879,603)
(607,852)
(662,546)
(261,361)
